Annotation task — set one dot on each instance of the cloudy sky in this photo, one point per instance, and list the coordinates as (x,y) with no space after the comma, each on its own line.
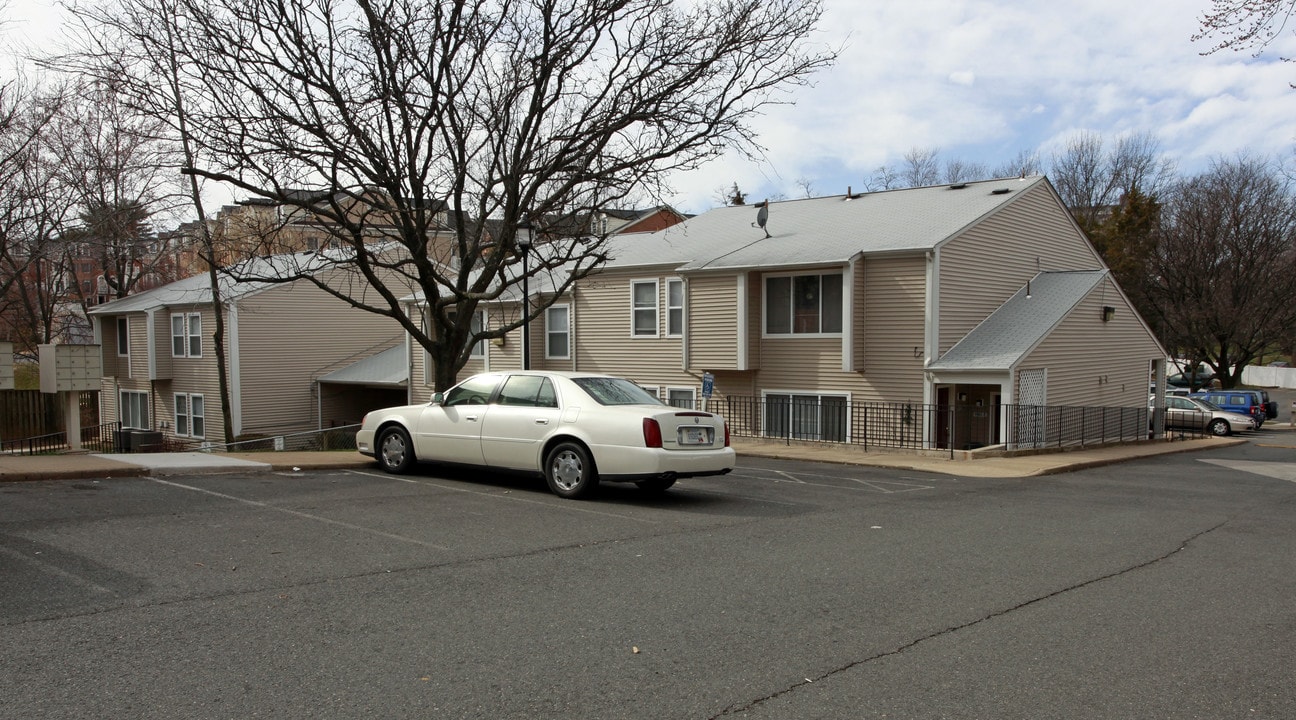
(982,80)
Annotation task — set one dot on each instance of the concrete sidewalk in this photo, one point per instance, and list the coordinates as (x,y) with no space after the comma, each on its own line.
(50,467)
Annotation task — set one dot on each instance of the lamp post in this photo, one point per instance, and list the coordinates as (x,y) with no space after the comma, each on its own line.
(524,244)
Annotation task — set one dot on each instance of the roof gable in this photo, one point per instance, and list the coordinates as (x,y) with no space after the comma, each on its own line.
(1021,323)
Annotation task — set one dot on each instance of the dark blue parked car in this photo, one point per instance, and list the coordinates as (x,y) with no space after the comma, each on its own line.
(1246,402)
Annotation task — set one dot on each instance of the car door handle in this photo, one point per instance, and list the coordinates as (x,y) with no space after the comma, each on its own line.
(470,418)
(542,421)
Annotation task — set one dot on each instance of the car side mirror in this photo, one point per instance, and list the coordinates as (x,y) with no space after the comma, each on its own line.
(438,398)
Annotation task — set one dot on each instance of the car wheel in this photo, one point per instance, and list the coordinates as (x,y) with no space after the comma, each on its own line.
(656,485)
(1219,426)
(570,471)
(395,452)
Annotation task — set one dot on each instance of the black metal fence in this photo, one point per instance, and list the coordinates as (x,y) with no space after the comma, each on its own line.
(934,427)
(98,438)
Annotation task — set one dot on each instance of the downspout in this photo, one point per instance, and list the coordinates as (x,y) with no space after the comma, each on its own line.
(931,338)
(743,310)
(235,372)
(684,333)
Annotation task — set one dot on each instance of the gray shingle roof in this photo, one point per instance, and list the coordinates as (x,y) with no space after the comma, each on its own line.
(820,230)
(196,290)
(1021,323)
(386,368)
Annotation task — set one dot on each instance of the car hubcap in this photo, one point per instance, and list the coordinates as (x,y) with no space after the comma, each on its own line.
(393,450)
(566,470)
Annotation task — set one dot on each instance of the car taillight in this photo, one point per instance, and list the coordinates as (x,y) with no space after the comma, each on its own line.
(652,433)
(726,434)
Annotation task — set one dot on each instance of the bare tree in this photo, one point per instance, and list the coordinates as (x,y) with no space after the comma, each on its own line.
(806,186)
(35,210)
(1091,178)
(1245,25)
(921,167)
(1023,164)
(125,170)
(883,178)
(957,171)
(403,116)
(1225,267)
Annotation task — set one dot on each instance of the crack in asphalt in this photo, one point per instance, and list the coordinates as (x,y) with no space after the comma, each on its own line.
(735,709)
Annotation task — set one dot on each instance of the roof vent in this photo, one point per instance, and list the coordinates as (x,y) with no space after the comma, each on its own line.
(958,186)
(1001,191)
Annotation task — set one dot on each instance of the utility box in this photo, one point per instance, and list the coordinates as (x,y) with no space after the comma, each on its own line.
(6,366)
(70,368)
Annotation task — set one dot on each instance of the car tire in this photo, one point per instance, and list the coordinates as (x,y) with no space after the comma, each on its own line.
(1219,427)
(394,451)
(569,471)
(656,485)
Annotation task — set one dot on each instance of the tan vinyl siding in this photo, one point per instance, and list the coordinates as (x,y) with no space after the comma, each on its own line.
(191,375)
(983,267)
(755,293)
(115,365)
(1082,370)
(892,322)
(161,349)
(712,322)
(859,318)
(290,336)
(801,363)
(602,339)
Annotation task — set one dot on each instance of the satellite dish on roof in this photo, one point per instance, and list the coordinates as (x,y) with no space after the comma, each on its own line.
(762,216)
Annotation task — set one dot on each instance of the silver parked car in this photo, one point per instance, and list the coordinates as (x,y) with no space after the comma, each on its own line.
(1196,414)
(574,428)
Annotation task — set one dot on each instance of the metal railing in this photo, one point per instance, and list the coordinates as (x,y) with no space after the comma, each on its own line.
(97,438)
(917,426)
(334,438)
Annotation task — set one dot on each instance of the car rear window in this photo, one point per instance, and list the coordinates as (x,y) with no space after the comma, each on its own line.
(615,391)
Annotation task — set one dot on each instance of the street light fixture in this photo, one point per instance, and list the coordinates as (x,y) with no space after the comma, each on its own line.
(524,245)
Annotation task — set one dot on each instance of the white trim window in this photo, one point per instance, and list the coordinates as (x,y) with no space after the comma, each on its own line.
(682,397)
(558,332)
(674,308)
(123,337)
(133,409)
(186,335)
(803,304)
(806,416)
(478,325)
(643,308)
(190,417)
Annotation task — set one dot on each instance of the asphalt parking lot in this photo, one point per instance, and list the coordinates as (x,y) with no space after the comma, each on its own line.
(1159,588)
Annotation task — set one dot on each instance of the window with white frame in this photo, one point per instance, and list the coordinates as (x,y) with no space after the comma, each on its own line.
(557,332)
(643,300)
(186,335)
(189,416)
(134,411)
(681,398)
(803,304)
(123,337)
(674,308)
(478,324)
(806,417)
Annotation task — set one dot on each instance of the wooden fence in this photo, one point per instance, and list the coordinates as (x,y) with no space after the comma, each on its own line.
(29,413)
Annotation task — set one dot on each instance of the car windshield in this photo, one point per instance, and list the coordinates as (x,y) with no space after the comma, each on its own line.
(1208,404)
(615,391)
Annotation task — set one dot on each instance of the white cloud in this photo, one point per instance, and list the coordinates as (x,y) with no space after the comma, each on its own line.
(984,79)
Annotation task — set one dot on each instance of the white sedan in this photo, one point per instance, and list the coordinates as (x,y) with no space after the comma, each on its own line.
(574,428)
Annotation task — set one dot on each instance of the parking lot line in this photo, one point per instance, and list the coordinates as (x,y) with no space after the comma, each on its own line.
(298,513)
(555,503)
